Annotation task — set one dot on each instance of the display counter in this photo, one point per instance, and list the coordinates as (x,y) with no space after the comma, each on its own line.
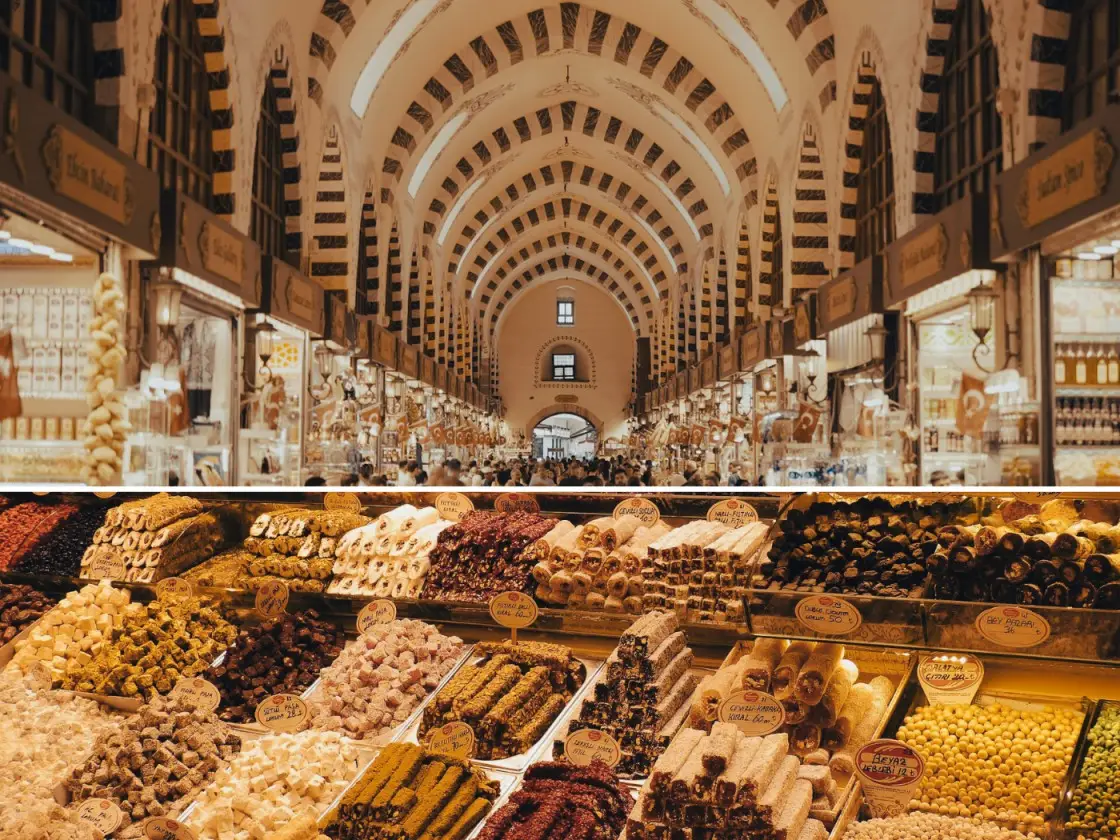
(726,606)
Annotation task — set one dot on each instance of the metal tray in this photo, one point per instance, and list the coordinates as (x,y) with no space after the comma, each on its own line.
(517,763)
(915,698)
(397,732)
(8,650)
(1061,813)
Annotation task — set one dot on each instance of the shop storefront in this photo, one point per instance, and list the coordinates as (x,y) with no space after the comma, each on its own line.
(76,212)
(867,448)
(384,350)
(969,389)
(1060,203)
(186,408)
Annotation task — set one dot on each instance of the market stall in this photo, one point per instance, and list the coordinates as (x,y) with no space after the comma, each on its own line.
(1061,200)
(76,211)
(838,635)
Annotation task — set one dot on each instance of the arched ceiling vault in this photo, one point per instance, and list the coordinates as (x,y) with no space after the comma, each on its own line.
(493,131)
(586,244)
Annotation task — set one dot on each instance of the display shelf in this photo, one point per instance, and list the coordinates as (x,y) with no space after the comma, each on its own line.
(1087,391)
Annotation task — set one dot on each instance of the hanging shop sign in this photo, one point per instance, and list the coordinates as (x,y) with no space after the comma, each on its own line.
(341,322)
(293,298)
(779,339)
(752,347)
(198,242)
(364,342)
(727,362)
(410,361)
(52,157)
(708,371)
(805,320)
(443,376)
(851,296)
(1069,181)
(951,243)
(692,381)
(385,346)
(428,370)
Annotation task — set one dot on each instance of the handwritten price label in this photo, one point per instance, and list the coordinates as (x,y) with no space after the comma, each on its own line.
(272,598)
(950,679)
(374,614)
(106,566)
(514,610)
(197,692)
(348,502)
(587,745)
(517,503)
(282,713)
(453,506)
(174,589)
(828,615)
(453,739)
(161,828)
(735,513)
(100,814)
(1013,627)
(890,772)
(752,712)
(643,509)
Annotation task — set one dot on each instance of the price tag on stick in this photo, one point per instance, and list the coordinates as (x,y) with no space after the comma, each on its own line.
(375,613)
(282,713)
(950,678)
(101,815)
(514,610)
(734,513)
(638,506)
(752,712)
(162,828)
(890,772)
(1013,627)
(198,692)
(453,506)
(828,615)
(455,739)
(272,598)
(174,589)
(586,745)
(517,503)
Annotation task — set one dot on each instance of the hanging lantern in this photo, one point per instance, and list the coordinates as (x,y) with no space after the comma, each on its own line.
(982,310)
(168,296)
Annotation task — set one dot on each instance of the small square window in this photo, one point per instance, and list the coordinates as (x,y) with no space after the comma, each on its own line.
(565,313)
(563,366)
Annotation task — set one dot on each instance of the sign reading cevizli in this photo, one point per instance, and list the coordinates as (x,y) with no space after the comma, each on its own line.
(639,507)
(587,745)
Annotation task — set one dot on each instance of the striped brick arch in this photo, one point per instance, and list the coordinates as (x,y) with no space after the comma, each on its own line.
(369,260)
(809,266)
(808,23)
(588,121)
(862,90)
(744,288)
(770,287)
(593,248)
(1049,22)
(569,266)
(280,77)
(589,32)
(613,228)
(329,260)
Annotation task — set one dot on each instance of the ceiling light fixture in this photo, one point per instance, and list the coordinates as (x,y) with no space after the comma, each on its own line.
(386,52)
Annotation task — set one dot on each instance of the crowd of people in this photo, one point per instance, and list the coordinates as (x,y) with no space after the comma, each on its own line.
(533,472)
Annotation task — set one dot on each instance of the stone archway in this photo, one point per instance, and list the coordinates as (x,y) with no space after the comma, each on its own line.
(563,408)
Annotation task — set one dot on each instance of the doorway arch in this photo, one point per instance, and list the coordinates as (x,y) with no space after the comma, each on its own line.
(564,434)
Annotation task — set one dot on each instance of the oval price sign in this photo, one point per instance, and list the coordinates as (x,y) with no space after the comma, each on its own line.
(587,745)
(106,566)
(828,614)
(454,739)
(375,613)
(890,772)
(752,712)
(174,589)
(161,828)
(642,508)
(272,598)
(343,501)
(1013,627)
(734,513)
(198,692)
(101,814)
(517,503)
(453,506)
(282,713)
(950,678)
(514,610)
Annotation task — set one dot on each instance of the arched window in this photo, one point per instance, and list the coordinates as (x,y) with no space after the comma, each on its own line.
(969,134)
(180,131)
(267,226)
(875,181)
(48,46)
(1093,59)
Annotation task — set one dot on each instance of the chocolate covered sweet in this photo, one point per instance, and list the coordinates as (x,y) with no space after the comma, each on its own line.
(20,607)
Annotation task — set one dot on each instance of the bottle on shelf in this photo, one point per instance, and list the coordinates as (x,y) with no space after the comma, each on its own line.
(1100,375)
(1113,366)
(1080,367)
(1061,372)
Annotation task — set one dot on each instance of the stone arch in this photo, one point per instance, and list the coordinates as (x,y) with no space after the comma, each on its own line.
(280,78)
(330,256)
(1044,79)
(394,315)
(744,287)
(563,408)
(770,286)
(853,160)
(590,32)
(811,29)
(578,347)
(811,259)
